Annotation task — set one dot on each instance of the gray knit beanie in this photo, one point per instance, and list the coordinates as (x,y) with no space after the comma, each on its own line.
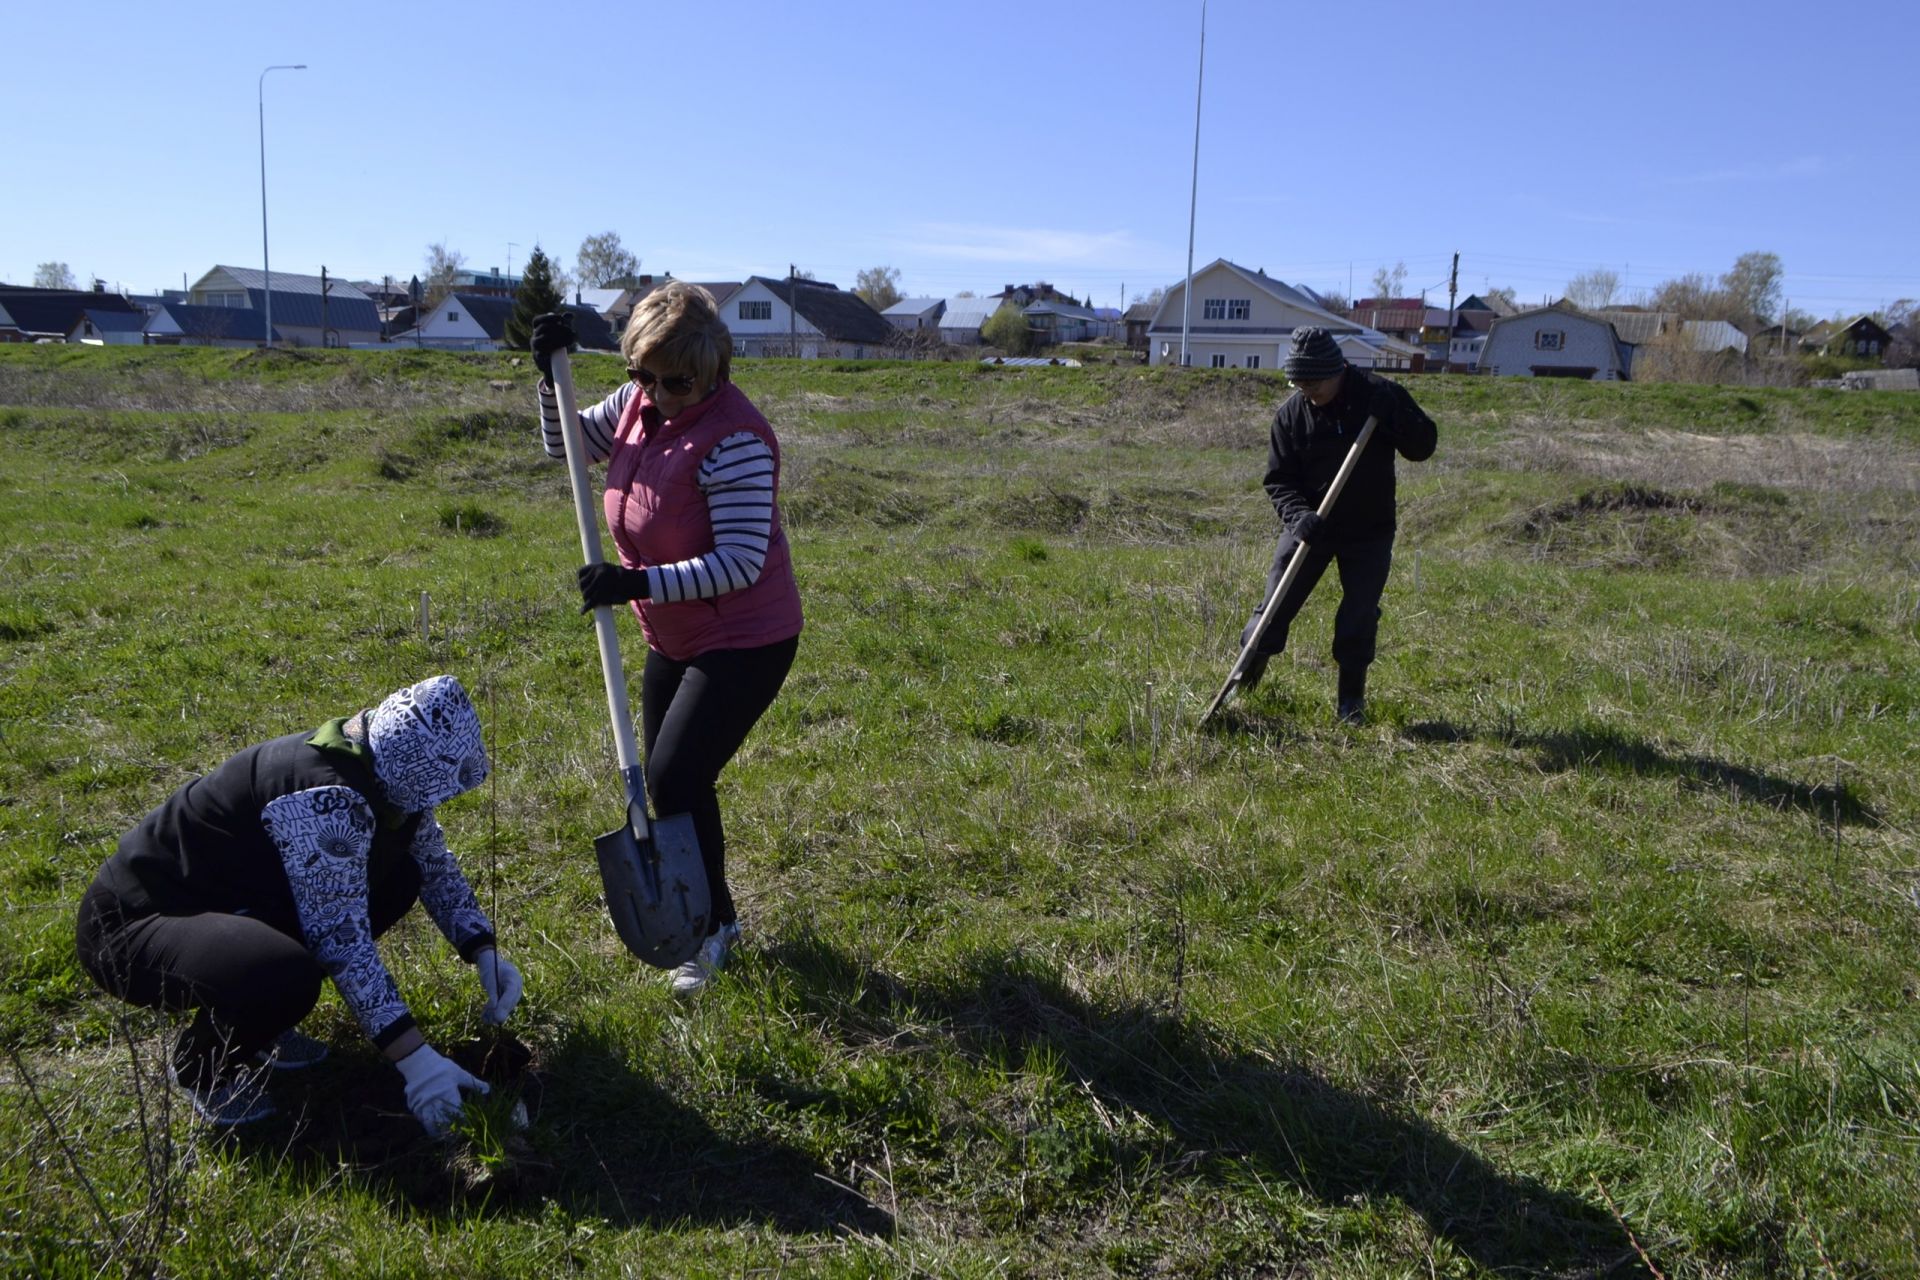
(1314,355)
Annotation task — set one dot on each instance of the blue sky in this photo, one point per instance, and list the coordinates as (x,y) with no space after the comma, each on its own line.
(972,146)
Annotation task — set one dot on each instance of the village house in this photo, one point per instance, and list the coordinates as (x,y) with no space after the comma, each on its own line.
(303,314)
(805,318)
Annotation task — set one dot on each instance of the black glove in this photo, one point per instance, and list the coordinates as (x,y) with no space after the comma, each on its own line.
(610,584)
(552,332)
(1308,526)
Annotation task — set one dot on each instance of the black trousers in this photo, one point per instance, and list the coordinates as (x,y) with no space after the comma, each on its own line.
(1363,577)
(246,980)
(694,716)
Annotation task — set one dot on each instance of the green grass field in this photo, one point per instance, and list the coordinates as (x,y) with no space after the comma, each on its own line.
(1593,953)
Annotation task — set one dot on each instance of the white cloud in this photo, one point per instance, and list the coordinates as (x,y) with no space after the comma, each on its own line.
(970,242)
(1775,171)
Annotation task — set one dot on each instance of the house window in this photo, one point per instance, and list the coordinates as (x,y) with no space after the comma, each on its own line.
(1219,362)
(1253,362)
(761,310)
(1213,309)
(1239,308)
(1550,340)
(453,317)
(1873,347)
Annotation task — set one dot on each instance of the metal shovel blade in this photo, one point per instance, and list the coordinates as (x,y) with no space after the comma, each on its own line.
(659,908)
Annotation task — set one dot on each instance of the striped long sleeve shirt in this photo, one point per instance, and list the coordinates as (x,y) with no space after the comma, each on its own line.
(736,477)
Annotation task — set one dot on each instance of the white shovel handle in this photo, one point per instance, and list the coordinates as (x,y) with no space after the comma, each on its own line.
(610,667)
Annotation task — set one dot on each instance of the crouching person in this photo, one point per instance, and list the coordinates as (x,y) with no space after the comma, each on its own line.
(249,885)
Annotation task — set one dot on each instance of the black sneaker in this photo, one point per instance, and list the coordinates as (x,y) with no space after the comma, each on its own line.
(239,1099)
(1254,670)
(1352,711)
(291,1051)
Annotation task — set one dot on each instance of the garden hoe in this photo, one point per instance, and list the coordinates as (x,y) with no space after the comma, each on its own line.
(656,883)
(1286,579)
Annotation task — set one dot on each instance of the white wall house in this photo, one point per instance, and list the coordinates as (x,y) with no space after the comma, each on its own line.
(1240,319)
(915,313)
(462,322)
(821,321)
(99,328)
(301,316)
(961,319)
(1559,341)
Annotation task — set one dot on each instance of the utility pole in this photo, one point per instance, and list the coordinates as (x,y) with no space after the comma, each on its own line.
(1453,289)
(326,334)
(793,325)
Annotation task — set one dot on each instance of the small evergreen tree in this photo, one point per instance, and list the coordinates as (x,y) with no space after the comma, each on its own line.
(535,296)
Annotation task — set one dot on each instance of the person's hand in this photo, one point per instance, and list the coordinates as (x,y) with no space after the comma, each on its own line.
(434,1083)
(610,584)
(1308,527)
(552,331)
(502,983)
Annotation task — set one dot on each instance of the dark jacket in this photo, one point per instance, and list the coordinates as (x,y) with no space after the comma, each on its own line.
(1308,444)
(206,849)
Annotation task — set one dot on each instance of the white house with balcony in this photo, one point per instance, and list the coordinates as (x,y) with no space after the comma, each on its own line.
(1243,319)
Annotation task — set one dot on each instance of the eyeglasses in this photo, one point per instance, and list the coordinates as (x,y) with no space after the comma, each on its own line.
(676,384)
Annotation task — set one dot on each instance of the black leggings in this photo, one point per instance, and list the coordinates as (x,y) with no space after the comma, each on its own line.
(695,715)
(248,980)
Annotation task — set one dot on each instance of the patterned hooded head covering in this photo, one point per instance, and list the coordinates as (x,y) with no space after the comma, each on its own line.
(426,744)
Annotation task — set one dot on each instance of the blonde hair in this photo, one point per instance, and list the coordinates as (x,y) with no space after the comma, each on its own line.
(678,325)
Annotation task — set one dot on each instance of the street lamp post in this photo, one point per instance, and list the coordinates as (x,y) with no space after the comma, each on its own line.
(266,263)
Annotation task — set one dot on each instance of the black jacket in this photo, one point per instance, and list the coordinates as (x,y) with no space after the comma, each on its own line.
(206,849)
(1307,446)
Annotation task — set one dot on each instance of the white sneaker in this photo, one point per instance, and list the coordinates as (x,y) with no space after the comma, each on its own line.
(707,961)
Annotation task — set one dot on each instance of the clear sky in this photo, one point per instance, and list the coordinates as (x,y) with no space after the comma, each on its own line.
(973,145)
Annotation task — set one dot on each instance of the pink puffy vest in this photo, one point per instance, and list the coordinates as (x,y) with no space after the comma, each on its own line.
(658,515)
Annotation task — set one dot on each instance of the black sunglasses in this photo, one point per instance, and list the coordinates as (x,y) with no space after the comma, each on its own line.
(677,384)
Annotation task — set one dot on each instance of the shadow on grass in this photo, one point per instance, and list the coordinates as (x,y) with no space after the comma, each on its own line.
(605,1143)
(1610,751)
(1219,1108)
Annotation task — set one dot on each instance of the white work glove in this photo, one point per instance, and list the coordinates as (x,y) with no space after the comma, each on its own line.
(501,981)
(434,1083)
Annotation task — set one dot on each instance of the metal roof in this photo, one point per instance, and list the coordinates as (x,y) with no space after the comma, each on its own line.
(248,278)
(968,313)
(302,310)
(108,321)
(234,323)
(911,306)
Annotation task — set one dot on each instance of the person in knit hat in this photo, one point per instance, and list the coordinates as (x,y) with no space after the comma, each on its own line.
(250,885)
(1312,433)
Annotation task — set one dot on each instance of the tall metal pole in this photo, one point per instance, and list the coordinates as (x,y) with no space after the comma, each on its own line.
(266,263)
(1193,199)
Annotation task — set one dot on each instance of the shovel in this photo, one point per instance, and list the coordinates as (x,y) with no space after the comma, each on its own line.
(651,868)
(1286,578)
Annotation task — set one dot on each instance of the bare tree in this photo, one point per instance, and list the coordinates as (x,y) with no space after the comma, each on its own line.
(604,261)
(1151,297)
(964,293)
(53,275)
(1388,283)
(442,265)
(1502,294)
(880,286)
(1691,297)
(1595,289)
(1753,285)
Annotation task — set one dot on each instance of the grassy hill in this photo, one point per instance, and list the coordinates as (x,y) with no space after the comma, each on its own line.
(1593,952)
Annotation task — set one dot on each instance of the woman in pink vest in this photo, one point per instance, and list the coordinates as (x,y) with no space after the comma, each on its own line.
(693,476)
